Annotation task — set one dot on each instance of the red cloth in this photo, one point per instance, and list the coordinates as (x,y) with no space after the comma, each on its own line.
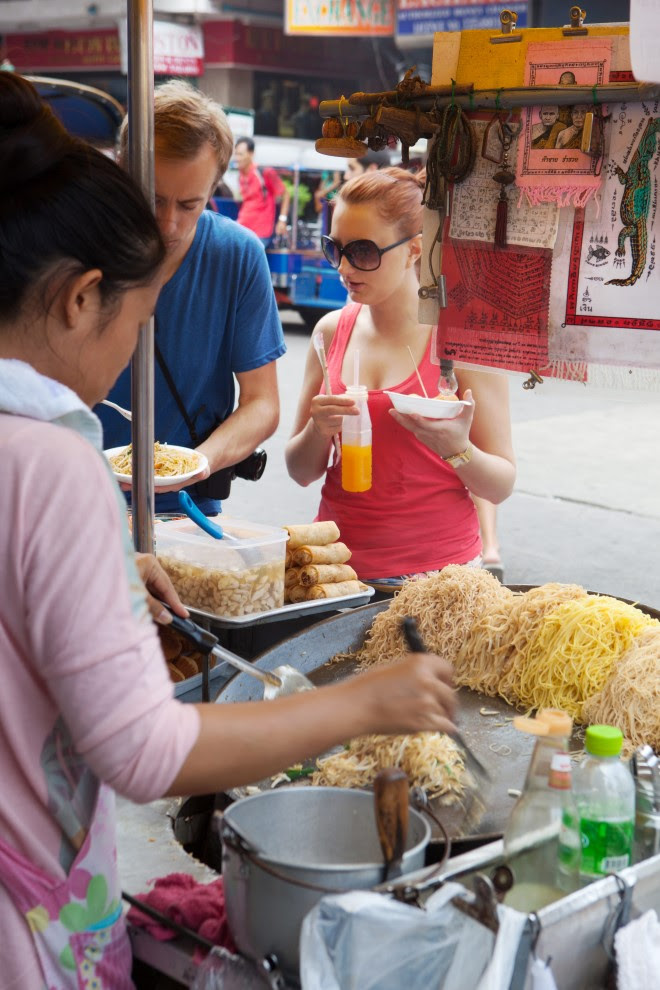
(198,906)
(259,192)
(418,515)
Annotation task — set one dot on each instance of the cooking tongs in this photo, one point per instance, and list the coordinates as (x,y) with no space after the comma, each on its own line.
(415,644)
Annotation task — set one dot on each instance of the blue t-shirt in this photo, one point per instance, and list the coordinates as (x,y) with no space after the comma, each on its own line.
(216,316)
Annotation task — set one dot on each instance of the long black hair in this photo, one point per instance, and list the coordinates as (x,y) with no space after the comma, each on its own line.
(63,204)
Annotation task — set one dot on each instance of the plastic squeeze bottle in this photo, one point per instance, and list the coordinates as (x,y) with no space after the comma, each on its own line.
(356,443)
(541,841)
(605,796)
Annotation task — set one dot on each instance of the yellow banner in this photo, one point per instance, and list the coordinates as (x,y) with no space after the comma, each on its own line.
(361,18)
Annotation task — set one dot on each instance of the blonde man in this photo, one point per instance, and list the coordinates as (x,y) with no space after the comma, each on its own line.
(216,317)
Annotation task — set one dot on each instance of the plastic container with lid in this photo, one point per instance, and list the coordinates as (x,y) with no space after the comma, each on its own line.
(223,577)
(605,795)
(356,443)
(541,841)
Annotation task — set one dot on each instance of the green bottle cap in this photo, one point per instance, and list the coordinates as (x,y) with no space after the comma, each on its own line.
(603,740)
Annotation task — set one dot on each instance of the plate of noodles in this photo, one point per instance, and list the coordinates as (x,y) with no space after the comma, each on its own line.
(439,407)
(172,464)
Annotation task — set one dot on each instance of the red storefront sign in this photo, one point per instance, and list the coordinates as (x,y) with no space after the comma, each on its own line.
(56,50)
(178,50)
(233,44)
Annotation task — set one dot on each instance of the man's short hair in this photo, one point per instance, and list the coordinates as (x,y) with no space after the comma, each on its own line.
(247,141)
(184,121)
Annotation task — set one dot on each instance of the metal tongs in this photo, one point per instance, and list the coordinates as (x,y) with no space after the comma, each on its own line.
(415,644)
(283,680)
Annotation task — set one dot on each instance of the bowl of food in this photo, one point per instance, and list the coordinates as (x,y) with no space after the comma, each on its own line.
(441,406)
(172,464)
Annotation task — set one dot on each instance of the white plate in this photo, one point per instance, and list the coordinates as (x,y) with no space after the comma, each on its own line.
(160,480)
(430,408)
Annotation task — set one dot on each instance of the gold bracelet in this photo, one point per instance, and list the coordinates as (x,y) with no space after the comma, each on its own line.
(463,458)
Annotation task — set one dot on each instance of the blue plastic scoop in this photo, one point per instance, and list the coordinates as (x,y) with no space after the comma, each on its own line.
(198,517)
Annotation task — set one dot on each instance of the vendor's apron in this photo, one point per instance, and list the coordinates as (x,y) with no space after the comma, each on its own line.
(76,924)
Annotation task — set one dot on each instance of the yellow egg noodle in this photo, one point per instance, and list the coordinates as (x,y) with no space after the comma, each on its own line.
(552,646)
(630,697)
(167,462)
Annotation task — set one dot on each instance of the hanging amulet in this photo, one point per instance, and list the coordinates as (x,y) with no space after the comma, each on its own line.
(504,177)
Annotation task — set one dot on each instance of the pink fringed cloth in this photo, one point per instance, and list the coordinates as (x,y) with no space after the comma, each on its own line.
(551,168)
(198,906)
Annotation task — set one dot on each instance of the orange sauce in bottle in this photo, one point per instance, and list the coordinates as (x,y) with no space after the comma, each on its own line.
(355,468)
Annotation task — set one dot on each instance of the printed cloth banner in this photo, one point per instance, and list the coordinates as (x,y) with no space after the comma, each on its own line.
(497,305)
(551,167)
(606,268)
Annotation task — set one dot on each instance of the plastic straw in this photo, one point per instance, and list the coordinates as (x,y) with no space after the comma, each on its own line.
(356,368)
(319,347)
(419,377)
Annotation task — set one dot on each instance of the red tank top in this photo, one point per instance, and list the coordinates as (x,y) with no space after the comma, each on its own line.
(418,515)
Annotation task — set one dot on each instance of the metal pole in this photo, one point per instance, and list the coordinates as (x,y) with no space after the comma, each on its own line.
(140,35)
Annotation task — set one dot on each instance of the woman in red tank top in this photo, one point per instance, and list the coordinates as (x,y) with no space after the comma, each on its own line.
(418,515)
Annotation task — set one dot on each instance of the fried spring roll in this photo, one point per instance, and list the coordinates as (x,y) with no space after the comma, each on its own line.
(336,590)
(326,574)
(318,533)
(333,553)
(288,560)
(292,576)
(296,593)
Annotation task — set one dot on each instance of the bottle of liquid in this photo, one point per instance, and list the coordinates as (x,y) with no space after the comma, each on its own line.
(605,797)
(356,444)
(541,841)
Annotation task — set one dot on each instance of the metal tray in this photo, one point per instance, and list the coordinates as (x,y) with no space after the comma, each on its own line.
(315,607)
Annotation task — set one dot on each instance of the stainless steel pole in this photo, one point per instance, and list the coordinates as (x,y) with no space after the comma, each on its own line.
(140,35)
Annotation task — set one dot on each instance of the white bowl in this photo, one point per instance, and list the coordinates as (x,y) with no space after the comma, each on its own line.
(161,480)
(430,408)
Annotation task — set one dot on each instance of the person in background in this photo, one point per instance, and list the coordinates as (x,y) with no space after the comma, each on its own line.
(418,515)
(262,194)
(371,162)
(216,318)
(306,121)
(87,706)
(490,553)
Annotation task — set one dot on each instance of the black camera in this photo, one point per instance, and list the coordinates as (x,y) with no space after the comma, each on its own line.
(218,484)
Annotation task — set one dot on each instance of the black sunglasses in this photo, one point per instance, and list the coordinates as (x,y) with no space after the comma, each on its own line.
(363,255)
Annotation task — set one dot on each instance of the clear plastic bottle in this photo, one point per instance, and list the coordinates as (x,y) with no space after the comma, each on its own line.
(541,841)
(605,797)
(356,443)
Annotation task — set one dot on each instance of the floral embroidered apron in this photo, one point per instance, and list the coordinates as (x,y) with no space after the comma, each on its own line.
(76,924)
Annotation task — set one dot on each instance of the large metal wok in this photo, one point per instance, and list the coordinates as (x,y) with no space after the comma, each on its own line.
(500,747)
(503,750)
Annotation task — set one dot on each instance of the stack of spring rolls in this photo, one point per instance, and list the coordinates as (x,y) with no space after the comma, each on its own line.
(317,564)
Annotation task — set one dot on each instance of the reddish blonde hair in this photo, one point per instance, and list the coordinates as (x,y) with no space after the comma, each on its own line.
(395,194)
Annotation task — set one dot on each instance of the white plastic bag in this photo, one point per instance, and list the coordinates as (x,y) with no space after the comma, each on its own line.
(365,941)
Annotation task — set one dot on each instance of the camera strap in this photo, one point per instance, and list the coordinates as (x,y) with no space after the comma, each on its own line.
(173,389)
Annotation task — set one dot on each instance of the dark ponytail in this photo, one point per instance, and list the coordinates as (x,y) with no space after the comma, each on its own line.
(62,203)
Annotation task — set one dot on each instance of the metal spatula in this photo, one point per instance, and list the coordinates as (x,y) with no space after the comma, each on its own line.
(281,681)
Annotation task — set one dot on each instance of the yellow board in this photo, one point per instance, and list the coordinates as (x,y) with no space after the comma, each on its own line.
(475,59)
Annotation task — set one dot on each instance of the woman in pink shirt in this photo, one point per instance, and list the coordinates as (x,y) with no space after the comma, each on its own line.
(86,705)
(418,515)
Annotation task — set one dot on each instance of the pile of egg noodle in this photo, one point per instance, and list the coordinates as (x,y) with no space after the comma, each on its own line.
(555,646)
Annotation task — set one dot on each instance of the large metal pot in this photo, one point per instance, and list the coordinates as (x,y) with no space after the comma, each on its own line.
(323,836)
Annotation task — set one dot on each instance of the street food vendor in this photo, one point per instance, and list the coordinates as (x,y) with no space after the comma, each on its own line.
(87,706)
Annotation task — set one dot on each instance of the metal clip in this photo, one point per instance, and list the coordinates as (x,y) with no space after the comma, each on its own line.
(508,20)
(437,291)
(577,17)
(533,380)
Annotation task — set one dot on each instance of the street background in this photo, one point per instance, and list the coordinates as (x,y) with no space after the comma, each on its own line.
(586,506)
